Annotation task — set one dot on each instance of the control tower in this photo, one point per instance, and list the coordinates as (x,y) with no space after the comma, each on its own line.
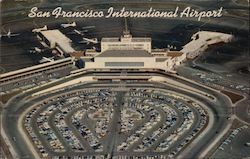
(126,42)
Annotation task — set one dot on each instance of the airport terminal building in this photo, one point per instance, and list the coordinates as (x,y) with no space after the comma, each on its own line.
(126,42)
(56,39)
(128,52)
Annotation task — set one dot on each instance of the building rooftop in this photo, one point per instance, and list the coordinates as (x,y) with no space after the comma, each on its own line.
(160,59)
(40,66)
(140,39)
(77,54)
(125,53)
(174,53)
(202,38)
(55,36)
(110,39)
(87,59)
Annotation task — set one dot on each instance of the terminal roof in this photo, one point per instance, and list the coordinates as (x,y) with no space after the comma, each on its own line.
(125,53)
(161,59)
(55,36)
(138,39)
(174,53)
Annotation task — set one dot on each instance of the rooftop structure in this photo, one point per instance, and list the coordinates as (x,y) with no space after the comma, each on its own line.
(122,39)
(125,53)
(201,40)
(31,76)
(174,54)
(56,39)
(36,67)
(126,42)
(133,52)
(129,52)
(136,59)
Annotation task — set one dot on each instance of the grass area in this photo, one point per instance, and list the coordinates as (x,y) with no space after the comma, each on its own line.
(233,96)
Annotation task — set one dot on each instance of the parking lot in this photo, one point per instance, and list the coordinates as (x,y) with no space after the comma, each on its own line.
(235,144)
(108,122)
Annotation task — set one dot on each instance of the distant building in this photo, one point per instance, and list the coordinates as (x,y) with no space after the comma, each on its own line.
(126,42)
(133,53)
(131,59)
(57,40)
(127,52)
(201,40)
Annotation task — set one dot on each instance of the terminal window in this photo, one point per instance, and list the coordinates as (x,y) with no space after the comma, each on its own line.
(124,64)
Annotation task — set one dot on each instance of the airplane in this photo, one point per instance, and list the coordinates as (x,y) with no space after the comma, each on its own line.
(73,24)
(36,50)
(87,40)
(171,47)
(37,30)
(47,59)
(88,27)
(79,32)
(9,34)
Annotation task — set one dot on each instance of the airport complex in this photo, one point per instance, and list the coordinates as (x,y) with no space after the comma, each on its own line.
(126,52)
(127,114)
(120,97)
